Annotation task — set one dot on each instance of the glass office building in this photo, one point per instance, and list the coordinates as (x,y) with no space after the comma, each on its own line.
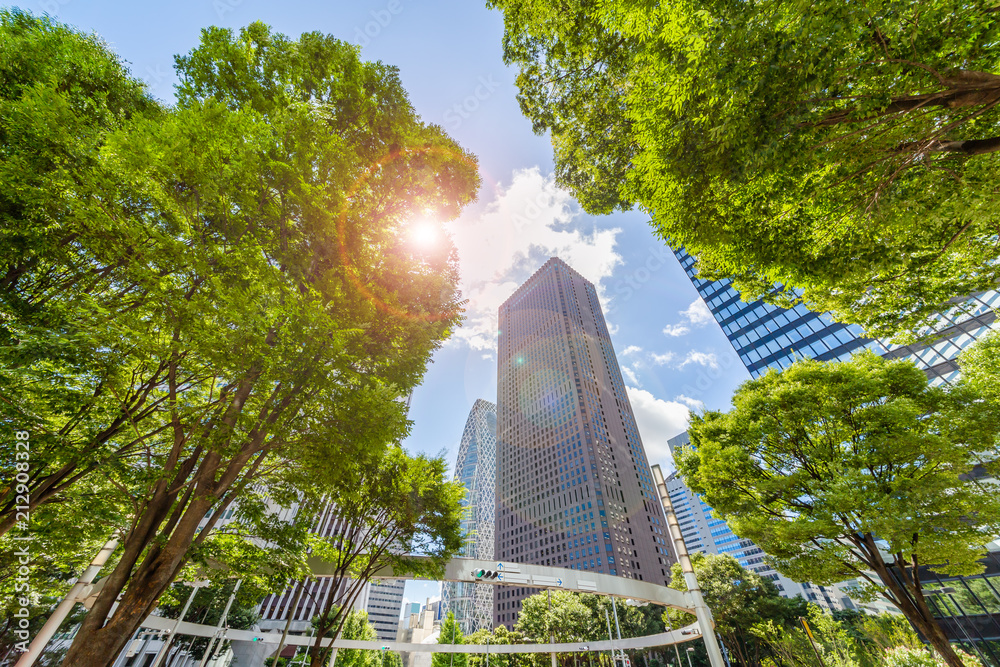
(476,469)
(574,488)
(767,336)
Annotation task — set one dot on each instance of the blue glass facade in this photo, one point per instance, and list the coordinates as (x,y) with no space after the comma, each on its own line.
(766,336)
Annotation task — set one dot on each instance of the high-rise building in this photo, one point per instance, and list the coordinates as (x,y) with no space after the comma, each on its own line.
(574,488)
(767,336)
(385,600)
(476,469)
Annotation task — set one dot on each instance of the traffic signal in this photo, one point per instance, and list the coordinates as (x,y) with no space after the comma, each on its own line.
(485,574)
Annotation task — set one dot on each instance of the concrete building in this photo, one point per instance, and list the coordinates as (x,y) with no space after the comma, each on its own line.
(574,488)
(422,627)
(476,469)
(385,599)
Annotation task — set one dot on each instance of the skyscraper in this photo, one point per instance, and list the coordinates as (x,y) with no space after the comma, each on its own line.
(476,469)
(574,487)
(767,336)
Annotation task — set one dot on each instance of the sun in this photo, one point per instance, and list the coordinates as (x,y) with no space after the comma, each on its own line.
(425,234)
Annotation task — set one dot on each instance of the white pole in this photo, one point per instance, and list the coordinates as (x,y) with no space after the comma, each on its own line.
(701,611)
(618,629)
(218,628)
(611,638)
(162,654)
(76,594)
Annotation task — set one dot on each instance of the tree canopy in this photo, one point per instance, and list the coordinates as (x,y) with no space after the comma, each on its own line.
(843,151)
(451,633)
(388,510)
(739,600)
(854,469)
(208,294)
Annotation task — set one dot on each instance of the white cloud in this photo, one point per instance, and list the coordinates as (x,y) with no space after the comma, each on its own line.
(502,244)
(630,376)
(662,359)
(675,330)
(695,315)
(701,358)
(658,421)
(631,349)
(692,403)
(698,313)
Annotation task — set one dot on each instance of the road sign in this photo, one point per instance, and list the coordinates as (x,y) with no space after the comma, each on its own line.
(558,582)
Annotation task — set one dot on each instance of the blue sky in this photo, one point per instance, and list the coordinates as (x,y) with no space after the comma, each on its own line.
(673,355)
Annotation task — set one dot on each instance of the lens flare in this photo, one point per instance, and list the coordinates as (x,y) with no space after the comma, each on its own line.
(424,234)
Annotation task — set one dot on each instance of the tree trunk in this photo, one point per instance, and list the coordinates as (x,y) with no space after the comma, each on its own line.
(913,606)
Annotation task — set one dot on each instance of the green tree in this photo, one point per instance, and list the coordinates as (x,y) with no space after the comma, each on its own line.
(451,633)
(851,469)
(846,150)
(873,635)
(791,645)
(567,620)
(739,600)
(389,510)
(500,635)
(979,366)
(356,626)
(238,294)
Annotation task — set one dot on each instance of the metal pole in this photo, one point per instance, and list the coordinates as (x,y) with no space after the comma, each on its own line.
(218,628)
(487,652)
(291,614)
(811,642)
(688,652)
(305,654)
(76,594)
(725,651)
(614,607)
(162,654)
(676,650)
(552,637)
(611,638)
(701,611)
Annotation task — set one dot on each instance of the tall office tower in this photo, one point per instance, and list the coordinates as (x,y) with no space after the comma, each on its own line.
(767,336)
(476,469)
(574,487)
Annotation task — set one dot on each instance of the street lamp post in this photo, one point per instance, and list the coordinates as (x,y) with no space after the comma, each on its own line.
(689,652)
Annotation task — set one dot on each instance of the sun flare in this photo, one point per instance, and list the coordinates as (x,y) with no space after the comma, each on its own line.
(425,234)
